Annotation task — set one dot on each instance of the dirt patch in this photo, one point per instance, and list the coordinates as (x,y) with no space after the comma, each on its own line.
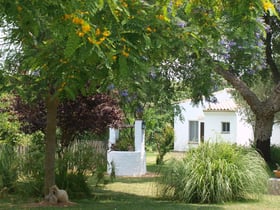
(147,174)
(150,174)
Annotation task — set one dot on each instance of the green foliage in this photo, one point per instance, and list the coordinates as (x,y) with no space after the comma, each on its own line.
(34,156)
(73,168)
(75,184)
(164,142)
(124,144)
(156,119)
(159,133)
(10,132)
(76,165)
(8,167)
(70,44)
(32,170)
(215,173)
(11,138)
(125,141)
(275,156)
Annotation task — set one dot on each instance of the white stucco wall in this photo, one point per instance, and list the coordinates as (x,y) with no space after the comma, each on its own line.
(244,134)
(127,163)
(213,126)
(275,138)
(190,113)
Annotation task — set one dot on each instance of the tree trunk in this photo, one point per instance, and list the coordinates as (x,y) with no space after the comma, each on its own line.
(51,104)
(263,132)
(264,111)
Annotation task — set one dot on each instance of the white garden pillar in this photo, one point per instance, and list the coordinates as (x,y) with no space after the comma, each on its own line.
(113,136)
(139,136)
(139,141)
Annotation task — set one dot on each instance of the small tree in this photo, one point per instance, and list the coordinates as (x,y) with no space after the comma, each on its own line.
(85,114)
(164,140)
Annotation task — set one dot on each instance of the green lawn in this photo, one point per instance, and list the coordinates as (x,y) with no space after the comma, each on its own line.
(132,193)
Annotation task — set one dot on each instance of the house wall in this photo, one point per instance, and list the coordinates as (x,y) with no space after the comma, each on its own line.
(213,126)
(241,132)
(275,138)
(189,113)
(244,134)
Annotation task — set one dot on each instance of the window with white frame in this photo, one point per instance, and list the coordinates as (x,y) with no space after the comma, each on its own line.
(225,127)
(193,131)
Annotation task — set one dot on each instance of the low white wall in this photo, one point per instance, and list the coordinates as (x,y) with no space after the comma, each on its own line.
(127,163)
(275,138)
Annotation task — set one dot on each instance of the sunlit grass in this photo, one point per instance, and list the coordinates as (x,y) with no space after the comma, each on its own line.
(144,187)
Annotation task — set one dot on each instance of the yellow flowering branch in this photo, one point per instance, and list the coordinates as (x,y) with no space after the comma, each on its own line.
(268,7)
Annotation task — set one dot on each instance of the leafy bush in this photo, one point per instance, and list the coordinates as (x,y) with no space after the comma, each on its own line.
(30,181)
(157,119)
(124,144)
(11,137)
(164,142)
(77,164)
(275,156)
(33,160)
(8,167)
(22,155)
(125,141)
(75,184)
(215,173)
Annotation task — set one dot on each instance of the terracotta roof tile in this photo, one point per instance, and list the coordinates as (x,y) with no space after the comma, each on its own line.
(227,105)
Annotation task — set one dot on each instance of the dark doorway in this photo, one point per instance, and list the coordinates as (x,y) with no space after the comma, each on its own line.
(202,132)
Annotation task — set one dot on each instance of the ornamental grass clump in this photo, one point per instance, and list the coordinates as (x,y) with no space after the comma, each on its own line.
(215,173)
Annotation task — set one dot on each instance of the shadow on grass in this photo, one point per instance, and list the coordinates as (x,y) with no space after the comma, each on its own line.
(104,199)
(138,180)
(111,200)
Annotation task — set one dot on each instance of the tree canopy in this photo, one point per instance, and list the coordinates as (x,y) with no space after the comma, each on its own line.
(57,50)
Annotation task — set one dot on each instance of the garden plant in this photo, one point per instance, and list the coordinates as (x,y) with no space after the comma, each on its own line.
(215,173)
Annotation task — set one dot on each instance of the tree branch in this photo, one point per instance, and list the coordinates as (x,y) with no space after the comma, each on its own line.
(248,95)
(274,98)
(268,51)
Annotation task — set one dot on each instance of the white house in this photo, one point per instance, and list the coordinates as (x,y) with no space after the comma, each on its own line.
(214,121)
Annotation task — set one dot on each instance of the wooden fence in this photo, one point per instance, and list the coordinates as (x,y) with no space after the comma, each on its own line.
(99,146)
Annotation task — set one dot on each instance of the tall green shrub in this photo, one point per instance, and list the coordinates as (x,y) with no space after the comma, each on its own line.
(215,173)
(32,166)
(275,156)
(8,167)
(76,165)
(164,142)
(11,137)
